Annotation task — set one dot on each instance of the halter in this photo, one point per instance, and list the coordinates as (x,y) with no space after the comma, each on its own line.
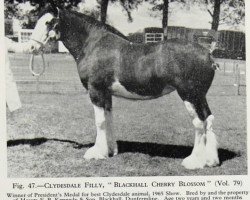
(50,34)
(41,43)
(47,39)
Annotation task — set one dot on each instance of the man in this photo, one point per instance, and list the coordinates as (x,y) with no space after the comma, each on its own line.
(12,96)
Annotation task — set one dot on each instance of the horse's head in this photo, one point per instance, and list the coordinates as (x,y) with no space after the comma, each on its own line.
(46,28)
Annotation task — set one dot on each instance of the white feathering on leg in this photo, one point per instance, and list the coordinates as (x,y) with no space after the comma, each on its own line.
(212,158)
(100,149)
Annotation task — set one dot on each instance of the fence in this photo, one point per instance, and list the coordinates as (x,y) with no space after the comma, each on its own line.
(233,73)
(24,35)
(230,44)
(153,34)
(153,37)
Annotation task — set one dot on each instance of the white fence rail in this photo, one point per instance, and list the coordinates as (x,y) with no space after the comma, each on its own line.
(24,35)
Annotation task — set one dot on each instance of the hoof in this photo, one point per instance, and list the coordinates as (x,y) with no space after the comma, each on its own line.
(193,162)
(114,151)
(95,153)
(212,162)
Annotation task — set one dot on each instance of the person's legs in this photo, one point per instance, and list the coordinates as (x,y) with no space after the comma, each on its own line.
(12,96)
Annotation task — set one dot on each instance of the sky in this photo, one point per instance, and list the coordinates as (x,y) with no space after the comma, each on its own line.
(195,17)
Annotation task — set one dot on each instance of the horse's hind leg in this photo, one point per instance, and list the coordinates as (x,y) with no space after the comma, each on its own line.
(205,151)
(105,143)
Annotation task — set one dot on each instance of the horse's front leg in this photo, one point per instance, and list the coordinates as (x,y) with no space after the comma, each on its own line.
(105,143)
(205,151)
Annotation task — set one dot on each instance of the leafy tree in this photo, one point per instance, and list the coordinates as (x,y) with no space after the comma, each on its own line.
(11,9)
(127,5)
(229,12)
(103,7)
(233,12)
(163,6)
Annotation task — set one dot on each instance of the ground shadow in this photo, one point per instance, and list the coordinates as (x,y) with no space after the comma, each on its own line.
(152,149)
(167,150)
(39,141)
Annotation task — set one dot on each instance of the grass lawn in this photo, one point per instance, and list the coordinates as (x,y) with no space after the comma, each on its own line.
(49,135)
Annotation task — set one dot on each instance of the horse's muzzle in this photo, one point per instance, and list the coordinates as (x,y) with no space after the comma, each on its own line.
(36,48)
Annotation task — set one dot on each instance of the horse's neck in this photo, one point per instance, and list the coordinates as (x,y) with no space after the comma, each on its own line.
(74,43)
(75,37)
(80,34)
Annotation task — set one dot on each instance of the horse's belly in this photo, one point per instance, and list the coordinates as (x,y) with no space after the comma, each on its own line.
(120,91)
(168,89)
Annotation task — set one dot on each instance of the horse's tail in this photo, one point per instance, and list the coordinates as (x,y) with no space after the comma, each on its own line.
(214,65)
(212,47)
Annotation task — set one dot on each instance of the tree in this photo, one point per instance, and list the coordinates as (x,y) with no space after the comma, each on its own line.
(163,6)
(229,12)
(127,5)
(233,12)
(11,9)
(216,14)
(103,6)
(224,11)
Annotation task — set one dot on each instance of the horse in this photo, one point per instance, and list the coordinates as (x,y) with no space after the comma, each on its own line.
(110,65)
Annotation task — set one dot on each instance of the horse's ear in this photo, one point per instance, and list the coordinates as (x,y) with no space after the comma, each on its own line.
(55,9)
(57,12)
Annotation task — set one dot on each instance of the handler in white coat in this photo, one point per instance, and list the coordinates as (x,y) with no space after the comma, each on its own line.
(12,96)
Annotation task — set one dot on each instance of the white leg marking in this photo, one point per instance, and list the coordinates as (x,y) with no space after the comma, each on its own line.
(111,139)
(197,158)
(205,151)
(212,158)
(100,149)
(191,109)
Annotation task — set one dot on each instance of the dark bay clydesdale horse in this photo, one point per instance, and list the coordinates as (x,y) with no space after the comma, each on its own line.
(108,64)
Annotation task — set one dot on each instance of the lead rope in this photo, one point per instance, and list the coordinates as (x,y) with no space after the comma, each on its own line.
(31,66)
(37,75)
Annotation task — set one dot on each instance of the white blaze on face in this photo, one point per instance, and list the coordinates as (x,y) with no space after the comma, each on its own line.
(40,32)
